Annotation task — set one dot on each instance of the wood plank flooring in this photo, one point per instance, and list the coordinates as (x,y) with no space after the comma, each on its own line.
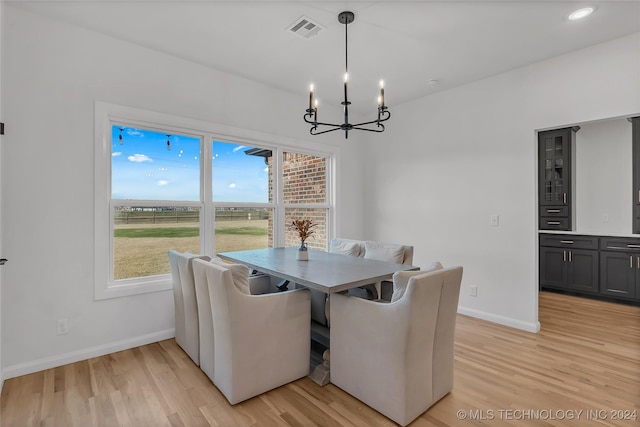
(585,358)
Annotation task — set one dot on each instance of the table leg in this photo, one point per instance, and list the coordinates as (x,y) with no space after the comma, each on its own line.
(321,374)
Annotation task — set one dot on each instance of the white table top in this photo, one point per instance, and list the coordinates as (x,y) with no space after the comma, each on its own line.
(324,271)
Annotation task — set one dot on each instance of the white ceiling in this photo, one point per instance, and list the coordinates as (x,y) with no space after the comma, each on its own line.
(407,43)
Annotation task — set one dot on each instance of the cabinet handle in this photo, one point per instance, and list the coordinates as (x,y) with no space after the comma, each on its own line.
(630,262)
(570,260)
(638,196)
(634,246)
(553,222)
(567,242)
(564,198)
(553,210)
(564,256)
(638,259)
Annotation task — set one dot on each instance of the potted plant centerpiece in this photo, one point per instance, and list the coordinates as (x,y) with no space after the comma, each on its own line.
(304,229)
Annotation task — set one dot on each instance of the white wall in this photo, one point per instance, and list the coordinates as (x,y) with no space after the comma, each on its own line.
(1,139)
(53,74)
(450,160)
(603,177)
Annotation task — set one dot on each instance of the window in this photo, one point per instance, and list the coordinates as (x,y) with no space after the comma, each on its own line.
(242,192)
(170,183)
(305,195)
(150,165)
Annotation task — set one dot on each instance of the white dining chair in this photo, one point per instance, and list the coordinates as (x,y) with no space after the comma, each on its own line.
(184,299)
(256,342)
(397,357)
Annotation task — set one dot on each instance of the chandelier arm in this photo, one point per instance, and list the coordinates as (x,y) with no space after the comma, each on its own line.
(308,115)
(311,131)
(388,116)
(316,124)
(369,130)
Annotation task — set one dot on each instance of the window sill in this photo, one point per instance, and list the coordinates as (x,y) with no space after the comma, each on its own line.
(130,287)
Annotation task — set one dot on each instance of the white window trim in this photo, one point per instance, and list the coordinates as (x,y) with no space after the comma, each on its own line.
(107,114)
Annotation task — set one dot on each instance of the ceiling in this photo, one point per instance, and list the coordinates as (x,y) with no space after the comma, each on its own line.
(408,43)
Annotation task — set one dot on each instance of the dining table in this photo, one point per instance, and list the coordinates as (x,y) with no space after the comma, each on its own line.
(323,271)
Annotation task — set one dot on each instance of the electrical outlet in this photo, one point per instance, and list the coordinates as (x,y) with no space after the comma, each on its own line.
(494,220)
(474,291)
(62,327)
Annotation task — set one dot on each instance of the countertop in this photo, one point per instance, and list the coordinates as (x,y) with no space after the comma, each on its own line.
(589,233)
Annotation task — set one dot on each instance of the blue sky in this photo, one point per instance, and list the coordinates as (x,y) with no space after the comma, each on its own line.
(142,168)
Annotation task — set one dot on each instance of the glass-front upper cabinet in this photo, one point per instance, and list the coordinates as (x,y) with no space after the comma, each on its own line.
(555,178)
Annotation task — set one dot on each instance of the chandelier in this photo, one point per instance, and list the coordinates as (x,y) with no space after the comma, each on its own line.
(311,115)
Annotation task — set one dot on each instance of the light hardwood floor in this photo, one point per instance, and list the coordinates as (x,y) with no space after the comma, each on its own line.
(585,358)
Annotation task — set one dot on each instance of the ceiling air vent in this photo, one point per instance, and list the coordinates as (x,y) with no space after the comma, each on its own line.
(305,27)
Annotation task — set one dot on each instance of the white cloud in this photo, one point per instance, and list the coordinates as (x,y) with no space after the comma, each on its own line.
(135,132)
(266,169)
(232,185)
(116,153)
(163,183)
(239,147)
(139,158)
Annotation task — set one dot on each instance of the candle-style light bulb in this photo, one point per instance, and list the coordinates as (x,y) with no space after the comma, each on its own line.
(315,110)
(310,95)
(379,101)
(346,77)
(382,93)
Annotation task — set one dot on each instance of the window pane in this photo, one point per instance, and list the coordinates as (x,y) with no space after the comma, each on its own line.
(238,229)
(241,173)
(143,236)
(304,178)
(144,167)
(318,216)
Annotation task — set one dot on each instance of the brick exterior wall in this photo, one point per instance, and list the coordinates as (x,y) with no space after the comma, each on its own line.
(305,181)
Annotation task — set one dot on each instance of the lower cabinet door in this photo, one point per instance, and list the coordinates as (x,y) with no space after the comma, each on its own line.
(553,270)
(618,274)
(583,270)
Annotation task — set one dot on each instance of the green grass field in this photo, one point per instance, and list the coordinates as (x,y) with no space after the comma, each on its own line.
(153,232)
(141,249)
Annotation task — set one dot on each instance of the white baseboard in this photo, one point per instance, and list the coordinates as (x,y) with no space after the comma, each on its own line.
(84,354)
(507,321)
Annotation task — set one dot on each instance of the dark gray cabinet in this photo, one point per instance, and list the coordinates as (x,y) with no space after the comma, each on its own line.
(601,266)
(620,268)
(635,149)
(555,151)
(569,262)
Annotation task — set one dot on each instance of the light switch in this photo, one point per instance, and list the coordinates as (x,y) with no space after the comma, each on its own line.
(494,220)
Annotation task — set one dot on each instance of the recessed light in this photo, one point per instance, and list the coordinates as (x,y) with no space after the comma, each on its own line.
(581,13)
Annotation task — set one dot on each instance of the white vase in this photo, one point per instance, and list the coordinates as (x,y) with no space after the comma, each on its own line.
(302,254)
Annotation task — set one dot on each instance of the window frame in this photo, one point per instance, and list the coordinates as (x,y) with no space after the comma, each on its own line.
(107,114)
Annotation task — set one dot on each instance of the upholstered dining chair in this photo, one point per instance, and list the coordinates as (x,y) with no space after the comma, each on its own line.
(397,357)
(389,252)
(401,254)
(256,342)
(184,298)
